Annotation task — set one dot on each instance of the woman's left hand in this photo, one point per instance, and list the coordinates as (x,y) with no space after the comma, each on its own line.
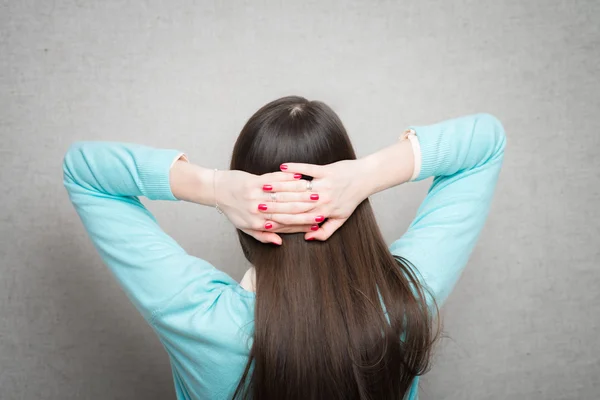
(244,199)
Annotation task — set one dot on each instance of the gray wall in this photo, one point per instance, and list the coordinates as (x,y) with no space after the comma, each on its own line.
(524,321)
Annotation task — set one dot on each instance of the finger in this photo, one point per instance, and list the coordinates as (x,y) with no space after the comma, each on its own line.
(316,171)
(297,219)
(278,177)
(271,226)
(297,228)
(285,208)
(289,197)
(264,237)
(326,230)
(288,186)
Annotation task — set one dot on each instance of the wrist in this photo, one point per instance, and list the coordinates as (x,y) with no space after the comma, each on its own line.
(368,170)
(388,167)
(204,190)
(192,183)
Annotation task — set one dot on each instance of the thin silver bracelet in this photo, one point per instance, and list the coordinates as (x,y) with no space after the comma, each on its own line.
(215,191)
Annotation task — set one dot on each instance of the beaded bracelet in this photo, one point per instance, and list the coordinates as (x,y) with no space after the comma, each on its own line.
(405,135)
(411,134)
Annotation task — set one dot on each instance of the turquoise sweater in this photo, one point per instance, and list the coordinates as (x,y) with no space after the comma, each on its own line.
(202,316)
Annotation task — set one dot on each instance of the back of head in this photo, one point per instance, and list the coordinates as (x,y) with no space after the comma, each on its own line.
(339,319)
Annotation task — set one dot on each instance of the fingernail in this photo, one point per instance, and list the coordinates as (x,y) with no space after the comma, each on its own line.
(311,238)
(278,244)
(262,207)
(283,167)
(320,218)
(314,196)
(268,225)
(266,188)
(297,176)
(314,227)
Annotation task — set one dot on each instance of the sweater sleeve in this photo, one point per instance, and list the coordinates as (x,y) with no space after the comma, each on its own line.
(104,180)
(464,156)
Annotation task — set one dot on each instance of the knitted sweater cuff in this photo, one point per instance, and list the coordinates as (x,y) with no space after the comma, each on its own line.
(154,169)
(432,151)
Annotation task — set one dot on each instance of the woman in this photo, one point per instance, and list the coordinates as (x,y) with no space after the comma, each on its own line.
(328,311)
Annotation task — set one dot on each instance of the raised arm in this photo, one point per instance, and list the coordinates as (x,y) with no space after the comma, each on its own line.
(104,181)
(464,155)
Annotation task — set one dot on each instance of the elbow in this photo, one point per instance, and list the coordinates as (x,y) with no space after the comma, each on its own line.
(70,161)
(491,126)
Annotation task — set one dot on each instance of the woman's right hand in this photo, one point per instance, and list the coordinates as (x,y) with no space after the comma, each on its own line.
(340,186)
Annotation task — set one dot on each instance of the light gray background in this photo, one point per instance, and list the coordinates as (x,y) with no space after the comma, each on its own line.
(524,320)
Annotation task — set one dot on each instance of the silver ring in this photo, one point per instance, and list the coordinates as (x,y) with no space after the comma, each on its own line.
(309,186)
(273,197)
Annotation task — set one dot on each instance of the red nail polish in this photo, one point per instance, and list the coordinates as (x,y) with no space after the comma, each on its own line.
(268,225)
(320,218)
(283,167)
(297,176)
(278,244)
(314,227)
(311,238)
(262,207)
(314,196)
(267,188)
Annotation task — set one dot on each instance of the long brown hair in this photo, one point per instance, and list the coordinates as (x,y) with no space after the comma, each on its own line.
(339,319)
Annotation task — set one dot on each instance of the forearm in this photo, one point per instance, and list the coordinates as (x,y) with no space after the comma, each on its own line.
(388,167)
(193,183)
(443,149)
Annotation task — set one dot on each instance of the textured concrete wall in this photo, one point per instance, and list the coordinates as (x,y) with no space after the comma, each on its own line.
(523,321)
